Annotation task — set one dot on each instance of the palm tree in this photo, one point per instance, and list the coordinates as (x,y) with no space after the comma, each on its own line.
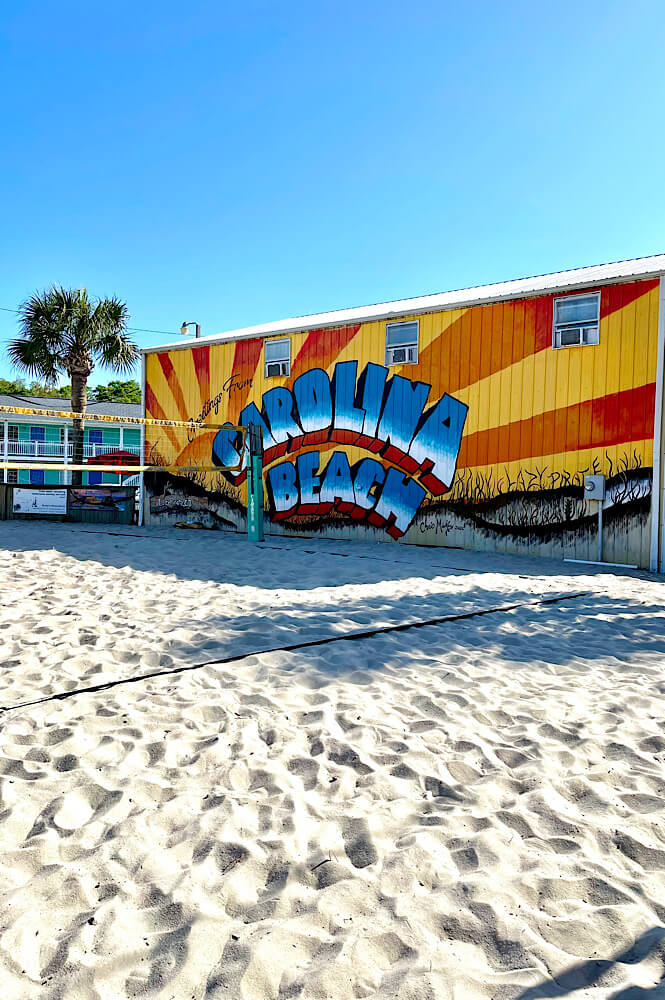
(64,331)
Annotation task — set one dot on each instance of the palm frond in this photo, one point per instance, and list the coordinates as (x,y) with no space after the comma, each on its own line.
(34,359)
(109,339)
(117,351)
(42,318)
(64,330)
(111,314)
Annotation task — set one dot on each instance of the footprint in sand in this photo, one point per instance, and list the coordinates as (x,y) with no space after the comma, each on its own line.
(358,843)
(306,769)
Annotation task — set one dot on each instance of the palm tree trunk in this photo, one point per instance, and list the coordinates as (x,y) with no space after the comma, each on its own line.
(79,403)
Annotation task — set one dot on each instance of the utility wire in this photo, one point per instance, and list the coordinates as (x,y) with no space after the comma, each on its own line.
(132,329)
(162,333)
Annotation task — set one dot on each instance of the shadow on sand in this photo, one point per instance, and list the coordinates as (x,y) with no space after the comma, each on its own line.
(594,971)
(227,557)
(575,632)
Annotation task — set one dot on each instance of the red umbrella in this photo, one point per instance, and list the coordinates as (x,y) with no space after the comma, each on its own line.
(115,458)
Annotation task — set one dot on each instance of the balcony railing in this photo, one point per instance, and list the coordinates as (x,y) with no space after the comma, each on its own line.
(55,449)
(35,449)
(93,450)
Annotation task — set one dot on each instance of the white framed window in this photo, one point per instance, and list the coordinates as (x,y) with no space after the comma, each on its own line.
(12,432)
(12,475)
(277,354)
(576,320)
(402,343)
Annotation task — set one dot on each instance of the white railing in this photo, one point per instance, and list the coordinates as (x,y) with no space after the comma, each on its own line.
(36,449)
(55,449)
(93,450)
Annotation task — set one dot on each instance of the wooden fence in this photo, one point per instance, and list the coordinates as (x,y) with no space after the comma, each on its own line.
(88,504)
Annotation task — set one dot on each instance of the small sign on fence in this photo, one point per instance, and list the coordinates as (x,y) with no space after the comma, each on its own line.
(39,501)
(98,498)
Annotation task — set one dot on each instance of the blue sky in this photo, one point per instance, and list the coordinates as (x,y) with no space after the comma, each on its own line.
(237,163)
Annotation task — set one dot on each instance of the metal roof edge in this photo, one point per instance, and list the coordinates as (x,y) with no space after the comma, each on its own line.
(595,274)
(38,404)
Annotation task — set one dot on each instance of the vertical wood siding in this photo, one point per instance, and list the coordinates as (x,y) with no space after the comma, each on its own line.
(537,417)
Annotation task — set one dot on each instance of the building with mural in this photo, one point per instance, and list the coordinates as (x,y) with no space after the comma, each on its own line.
(469,419)
(34,438)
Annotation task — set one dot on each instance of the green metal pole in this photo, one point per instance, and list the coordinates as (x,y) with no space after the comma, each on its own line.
(255,485)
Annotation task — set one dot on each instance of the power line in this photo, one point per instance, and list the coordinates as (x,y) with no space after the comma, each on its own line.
(132,329)
(162,333)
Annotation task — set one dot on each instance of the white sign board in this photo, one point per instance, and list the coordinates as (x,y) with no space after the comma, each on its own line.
(40,501)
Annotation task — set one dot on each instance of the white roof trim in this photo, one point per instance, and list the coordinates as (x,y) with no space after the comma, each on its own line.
(580,277)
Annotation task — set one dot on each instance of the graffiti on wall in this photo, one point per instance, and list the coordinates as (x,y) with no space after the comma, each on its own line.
(487,436)
(388,416)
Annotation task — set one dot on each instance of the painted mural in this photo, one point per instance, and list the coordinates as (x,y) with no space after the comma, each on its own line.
(483,443)
(382,414)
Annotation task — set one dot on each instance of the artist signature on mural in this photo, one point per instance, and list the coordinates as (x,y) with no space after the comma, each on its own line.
(437,524)
(233,384)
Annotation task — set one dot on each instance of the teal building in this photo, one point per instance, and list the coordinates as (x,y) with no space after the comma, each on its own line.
(34,437)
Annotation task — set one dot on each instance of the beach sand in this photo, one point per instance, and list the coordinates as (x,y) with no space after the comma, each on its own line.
(471,809)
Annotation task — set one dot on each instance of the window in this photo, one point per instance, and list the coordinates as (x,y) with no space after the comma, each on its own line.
(36,477)
(12,475)
(277,358)
(576,320)
(402,343)
(13,432)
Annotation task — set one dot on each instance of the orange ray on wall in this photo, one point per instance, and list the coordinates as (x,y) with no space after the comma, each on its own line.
(475,346)
(174,384)
(154,408)
(201,359)
(245,362)
(321,348)
(570,428)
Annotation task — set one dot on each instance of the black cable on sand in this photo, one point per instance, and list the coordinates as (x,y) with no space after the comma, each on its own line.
(349,637)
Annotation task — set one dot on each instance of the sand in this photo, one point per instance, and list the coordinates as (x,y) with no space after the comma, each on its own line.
(472,809)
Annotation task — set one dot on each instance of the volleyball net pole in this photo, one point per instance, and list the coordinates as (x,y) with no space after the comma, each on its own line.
(255,484)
